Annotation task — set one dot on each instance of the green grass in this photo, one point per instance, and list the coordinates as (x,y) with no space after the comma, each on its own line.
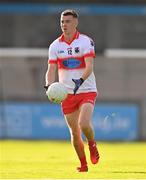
(53,159)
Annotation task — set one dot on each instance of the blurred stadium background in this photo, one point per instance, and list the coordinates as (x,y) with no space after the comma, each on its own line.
(119,31)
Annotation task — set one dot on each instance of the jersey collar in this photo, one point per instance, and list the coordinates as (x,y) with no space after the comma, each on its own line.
(62,39)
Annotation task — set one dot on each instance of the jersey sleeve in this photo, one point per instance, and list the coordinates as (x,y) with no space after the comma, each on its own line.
(52,57)
(88,48)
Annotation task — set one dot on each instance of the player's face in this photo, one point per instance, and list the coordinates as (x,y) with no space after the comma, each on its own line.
(68,24)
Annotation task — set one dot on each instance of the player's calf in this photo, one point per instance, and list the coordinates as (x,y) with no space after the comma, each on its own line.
(83,167)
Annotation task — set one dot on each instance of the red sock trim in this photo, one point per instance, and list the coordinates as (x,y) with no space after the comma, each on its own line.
(91,142)
(83,161)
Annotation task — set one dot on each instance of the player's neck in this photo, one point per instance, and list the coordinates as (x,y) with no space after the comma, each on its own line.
(69,36)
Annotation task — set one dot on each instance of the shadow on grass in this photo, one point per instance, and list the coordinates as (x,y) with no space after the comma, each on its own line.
(134,172)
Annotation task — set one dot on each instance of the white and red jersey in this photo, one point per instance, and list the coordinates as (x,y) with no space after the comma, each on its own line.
(70,60)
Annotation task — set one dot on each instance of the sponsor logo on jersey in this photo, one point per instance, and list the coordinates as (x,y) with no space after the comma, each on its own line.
(60,52)
(71,63)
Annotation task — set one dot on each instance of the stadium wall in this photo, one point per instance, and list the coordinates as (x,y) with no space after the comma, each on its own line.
(109,26)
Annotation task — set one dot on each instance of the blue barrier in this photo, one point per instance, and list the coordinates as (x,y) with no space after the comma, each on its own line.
(116,121)
(111,121)
(46,8)
(34,120)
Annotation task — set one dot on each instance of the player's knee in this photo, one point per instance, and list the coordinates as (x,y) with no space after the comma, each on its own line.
(84,125)
(74,134)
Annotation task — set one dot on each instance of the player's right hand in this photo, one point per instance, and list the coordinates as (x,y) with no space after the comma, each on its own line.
(46,87)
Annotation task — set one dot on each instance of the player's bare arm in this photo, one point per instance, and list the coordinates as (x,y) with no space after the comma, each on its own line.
(50,74)
(88,69)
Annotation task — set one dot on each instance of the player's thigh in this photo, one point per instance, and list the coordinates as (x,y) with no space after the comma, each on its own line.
(86,111)
(72,119)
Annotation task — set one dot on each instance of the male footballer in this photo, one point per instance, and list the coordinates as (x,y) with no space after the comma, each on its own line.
(72,55)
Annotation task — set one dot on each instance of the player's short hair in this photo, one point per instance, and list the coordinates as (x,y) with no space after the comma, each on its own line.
(70,12)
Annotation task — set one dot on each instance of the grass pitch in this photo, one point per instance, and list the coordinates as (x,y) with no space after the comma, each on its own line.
(57,160)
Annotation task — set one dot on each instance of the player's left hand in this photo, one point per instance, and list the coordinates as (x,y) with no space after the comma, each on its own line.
(78,83)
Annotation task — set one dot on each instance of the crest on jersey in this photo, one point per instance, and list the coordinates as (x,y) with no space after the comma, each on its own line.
(77,50)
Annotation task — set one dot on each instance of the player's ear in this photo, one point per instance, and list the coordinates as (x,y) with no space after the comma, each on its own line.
(76,21)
